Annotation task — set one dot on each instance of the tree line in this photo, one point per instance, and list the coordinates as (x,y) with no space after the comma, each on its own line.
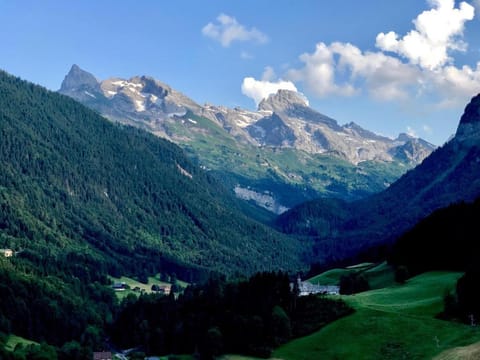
(249,317)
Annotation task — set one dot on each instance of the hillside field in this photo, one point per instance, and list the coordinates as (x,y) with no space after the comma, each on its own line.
(378,275)
(396,322)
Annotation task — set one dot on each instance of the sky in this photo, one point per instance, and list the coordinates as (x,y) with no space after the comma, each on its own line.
(391,66)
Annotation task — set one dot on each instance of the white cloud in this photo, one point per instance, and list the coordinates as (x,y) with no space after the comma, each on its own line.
(385,77)
(417,65)
(228,29)
(436,32)
(261,89)
(318,74)
(455,84)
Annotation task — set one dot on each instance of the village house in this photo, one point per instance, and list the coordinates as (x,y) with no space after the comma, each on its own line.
(122,286)
(7,252)
(162,289)
(165,289)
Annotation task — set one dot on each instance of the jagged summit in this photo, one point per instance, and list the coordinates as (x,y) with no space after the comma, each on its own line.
(140,100)
(282,100)
(77,79)
(284,119)
(468,130)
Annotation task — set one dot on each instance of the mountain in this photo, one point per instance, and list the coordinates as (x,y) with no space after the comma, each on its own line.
(448,175)
(74,184)
(276,157)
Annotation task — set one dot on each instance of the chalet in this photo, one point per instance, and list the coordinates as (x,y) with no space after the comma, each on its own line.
(122,286)
(162,289)
(103,355)
(165,289)
(6,252)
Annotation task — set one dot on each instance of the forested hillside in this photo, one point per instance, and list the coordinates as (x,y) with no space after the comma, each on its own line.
(448,175)
(445,240)
(73,184)
(81,198)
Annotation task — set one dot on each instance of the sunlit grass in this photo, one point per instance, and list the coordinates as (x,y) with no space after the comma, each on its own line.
(397,322)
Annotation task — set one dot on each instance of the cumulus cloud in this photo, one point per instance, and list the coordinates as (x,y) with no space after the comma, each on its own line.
(437,31)
(454,84)
(386,77)
(318,74)
(416,65)
(261,89)
(227,30)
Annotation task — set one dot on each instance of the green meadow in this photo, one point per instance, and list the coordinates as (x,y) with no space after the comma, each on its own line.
(396,322)
(147,288)
(378,275)
(13,341)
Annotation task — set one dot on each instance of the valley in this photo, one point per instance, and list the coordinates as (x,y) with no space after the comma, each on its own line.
(95,208)
(239,180)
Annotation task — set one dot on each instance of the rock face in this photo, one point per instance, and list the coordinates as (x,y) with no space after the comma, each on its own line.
(316,133)
(140,101)
(80,84)
(282,101)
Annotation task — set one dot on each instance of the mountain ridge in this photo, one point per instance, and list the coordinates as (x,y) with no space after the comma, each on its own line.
(248,148)
(289,106)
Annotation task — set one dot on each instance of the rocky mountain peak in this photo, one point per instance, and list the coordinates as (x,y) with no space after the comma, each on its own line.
(284,119)
(77,79)
(282,100)
(404,137)
(469,128)
(155,87)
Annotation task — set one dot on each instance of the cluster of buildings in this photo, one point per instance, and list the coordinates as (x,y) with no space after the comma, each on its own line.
(306,288)
(161,289)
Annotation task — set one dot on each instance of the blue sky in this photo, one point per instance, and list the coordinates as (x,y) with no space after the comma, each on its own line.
(391,66)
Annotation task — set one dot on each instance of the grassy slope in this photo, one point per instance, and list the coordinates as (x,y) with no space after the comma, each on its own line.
(392,323)
(378,275)
(14,340)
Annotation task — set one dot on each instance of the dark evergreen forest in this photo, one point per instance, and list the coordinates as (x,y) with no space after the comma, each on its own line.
(82,198)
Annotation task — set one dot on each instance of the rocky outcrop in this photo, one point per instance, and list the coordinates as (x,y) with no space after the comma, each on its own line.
(468,131)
